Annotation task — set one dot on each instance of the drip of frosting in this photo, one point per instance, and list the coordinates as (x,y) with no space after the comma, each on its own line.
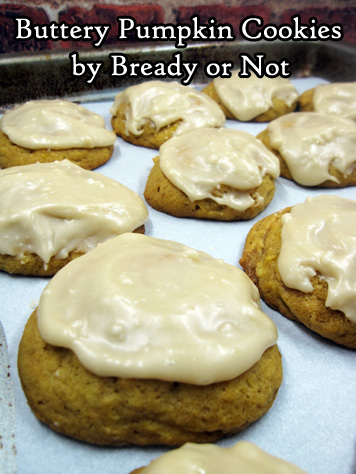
(310,142)
(165,103)
(246,98)
(55,124)
(202,161)
(142,307)
(336,99)
(51,209)
(243,457)
(319,237)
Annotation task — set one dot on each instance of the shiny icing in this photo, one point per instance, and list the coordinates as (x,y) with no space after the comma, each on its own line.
(55,124)
(310,142)
(50,209)
(319,237)
(246,98)
(242,457)
(165,103)
(336,99)
(142,307)
(201,161)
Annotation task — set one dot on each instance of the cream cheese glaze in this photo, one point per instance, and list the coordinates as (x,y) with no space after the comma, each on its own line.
(165,103)
(246,98)
(50,209)
(310,142)
(55,124)
(142,307)
(319,237)
(337,99)
(201,161)
(243,457)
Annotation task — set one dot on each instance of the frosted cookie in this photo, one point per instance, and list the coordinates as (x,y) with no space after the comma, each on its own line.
(242,457)
(149,114)
(52,213)
(220,174)
(303,261)
(51,130)
(146,341)
(335,99)
(253,99)
(314,149)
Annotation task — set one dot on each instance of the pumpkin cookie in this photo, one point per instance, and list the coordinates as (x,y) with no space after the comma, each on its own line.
(252,98)
(302,260)
(149,114)
(150,369)
(52,213)
(335,99)
(51,130)
(219,174)
(314,149)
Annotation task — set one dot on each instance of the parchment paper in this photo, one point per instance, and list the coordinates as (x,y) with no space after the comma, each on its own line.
(312,422)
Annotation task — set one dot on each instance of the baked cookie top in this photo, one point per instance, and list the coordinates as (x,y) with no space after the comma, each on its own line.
(246,98)
(202,161)
(319,237)
(165,103)
(310,142)
(142,307)
(337,99)
(55,124)
(209,458)
(51,209)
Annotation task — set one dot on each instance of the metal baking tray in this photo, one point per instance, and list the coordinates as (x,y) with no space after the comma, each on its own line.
(311,422)
(48,75)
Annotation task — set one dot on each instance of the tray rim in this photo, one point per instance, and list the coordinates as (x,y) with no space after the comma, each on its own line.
(42,75)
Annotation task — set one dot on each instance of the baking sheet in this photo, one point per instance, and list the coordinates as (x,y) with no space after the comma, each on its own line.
(49,75)
(312,422)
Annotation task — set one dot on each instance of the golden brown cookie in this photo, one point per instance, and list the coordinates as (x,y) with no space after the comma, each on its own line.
(260,261)
(330,177)
(165,197)
(43,226)
(278,106)
(114,411)
(338,98)
(45,131)
(87,158)
(150,113)
(149,137)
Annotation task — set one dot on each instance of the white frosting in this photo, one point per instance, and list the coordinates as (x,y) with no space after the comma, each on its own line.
(164,103)
(52,209)
(319,237)
(243,457)
(310,142)
(141,307)
(55,124)
(201,161)
(336,99)
(246,98)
